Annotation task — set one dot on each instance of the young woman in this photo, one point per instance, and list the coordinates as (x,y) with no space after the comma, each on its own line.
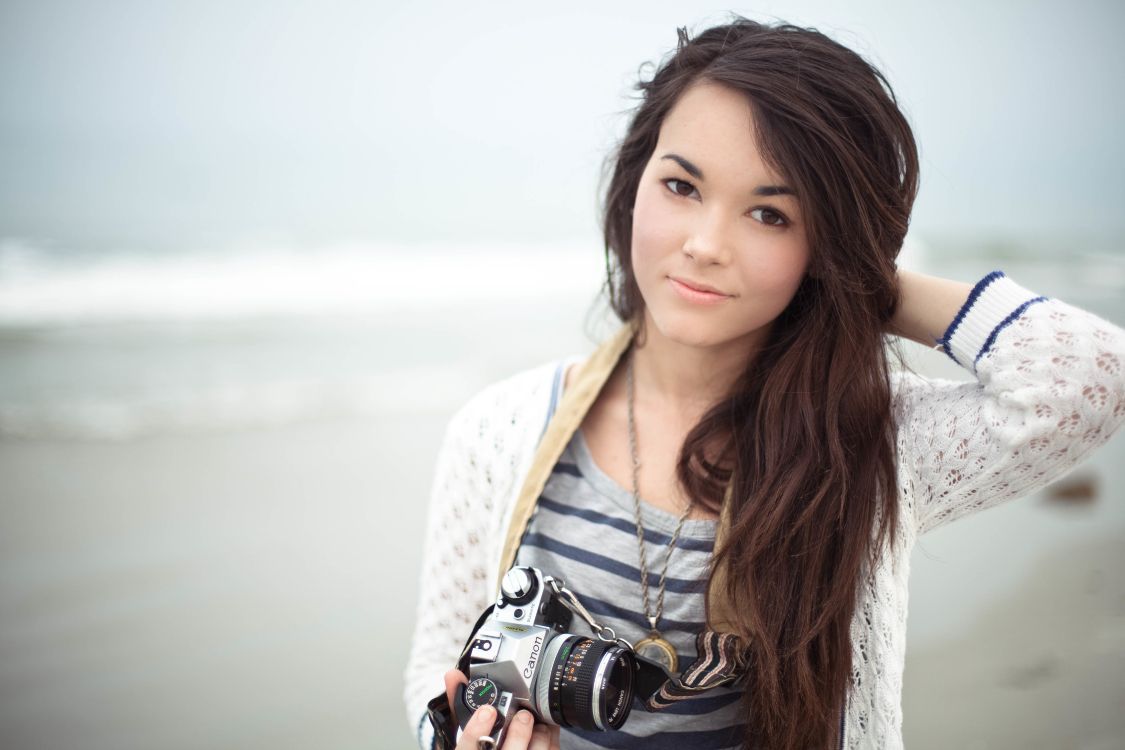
(740,458)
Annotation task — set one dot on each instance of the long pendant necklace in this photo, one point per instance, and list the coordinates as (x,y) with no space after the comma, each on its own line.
(655,646)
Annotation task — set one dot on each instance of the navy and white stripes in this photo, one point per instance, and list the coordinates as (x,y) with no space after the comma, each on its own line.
(993,297)
(584,533)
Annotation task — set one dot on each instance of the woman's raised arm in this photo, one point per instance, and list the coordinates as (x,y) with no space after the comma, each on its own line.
(1049,389)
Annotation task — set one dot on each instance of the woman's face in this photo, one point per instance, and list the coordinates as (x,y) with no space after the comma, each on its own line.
(708,214)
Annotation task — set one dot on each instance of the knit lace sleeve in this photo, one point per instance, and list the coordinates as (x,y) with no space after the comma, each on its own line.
(1049,389)
(452,586)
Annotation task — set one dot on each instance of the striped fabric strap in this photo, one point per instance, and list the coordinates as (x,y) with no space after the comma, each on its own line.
(721,661)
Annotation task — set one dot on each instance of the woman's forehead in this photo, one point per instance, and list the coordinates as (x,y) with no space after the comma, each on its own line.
(712,126)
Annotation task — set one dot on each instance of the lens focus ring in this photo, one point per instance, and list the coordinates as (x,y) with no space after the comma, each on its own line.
(548,675)
(585,683)
(584,706)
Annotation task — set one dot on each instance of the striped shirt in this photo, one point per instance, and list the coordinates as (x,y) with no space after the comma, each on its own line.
(583,532)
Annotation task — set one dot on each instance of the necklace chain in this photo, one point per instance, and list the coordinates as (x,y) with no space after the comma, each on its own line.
(654,617)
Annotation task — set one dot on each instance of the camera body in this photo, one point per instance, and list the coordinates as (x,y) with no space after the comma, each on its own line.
(521,656)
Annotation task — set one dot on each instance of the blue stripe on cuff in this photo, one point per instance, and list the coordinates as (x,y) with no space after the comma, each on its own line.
(978,289)
(1004,324)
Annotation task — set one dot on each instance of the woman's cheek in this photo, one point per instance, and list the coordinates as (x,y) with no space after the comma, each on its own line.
(653,235)
(643,256)
(784,264)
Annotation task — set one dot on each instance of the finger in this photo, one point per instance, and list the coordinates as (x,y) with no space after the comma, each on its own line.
(541,738)
(453,678)
(519,731)
(556,741)
(478,726)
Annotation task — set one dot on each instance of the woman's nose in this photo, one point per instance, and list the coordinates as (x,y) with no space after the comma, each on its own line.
(708,241)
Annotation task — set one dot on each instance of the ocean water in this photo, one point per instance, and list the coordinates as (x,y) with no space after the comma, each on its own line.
(117,347)
(113,347)
(214,470)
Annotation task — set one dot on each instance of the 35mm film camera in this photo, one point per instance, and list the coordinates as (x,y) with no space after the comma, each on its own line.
(521,656)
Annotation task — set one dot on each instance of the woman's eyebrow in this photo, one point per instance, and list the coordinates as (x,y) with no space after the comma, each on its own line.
(697,173)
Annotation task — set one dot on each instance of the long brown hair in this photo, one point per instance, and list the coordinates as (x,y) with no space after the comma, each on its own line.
(807,432)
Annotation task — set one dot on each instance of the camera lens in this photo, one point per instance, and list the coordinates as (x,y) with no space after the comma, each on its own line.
(585,683)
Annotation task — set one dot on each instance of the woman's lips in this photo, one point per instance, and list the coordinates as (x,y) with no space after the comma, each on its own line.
(698,296)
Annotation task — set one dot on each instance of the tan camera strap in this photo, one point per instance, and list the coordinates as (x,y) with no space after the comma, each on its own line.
(722,657)
(577,399)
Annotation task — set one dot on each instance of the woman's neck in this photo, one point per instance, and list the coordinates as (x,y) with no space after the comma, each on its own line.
(686,379)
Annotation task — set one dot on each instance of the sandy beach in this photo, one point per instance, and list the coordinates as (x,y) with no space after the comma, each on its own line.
(211,536)
(1039,668)
(254,589)
(255,255)
(243,590)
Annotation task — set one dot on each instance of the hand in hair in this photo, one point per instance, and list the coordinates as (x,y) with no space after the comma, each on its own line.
(926,306)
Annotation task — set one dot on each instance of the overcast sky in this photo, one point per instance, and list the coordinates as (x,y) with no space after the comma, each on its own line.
(200,125)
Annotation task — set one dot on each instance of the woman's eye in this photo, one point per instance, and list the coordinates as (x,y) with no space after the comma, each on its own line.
(770,217)
(681,188)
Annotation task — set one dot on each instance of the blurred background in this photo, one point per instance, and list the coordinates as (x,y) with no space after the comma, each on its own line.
(253,255)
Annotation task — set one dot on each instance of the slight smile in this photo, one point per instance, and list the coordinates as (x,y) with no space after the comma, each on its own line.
(696,294)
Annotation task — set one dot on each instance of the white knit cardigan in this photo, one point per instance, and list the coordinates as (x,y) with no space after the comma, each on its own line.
(1048,389)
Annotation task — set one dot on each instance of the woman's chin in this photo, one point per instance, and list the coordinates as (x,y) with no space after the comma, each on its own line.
(691,333)
(702,331)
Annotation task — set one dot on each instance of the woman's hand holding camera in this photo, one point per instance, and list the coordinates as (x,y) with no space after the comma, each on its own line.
(523,733)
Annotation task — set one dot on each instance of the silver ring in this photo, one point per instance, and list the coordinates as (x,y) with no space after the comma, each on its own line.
(486,743)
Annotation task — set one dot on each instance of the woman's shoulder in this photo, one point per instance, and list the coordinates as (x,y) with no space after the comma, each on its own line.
(517,401)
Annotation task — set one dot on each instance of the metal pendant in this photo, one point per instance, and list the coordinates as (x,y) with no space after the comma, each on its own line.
(655,647)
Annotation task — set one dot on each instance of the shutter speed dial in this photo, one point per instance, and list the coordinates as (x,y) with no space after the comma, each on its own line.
(481,692)
(518,587)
